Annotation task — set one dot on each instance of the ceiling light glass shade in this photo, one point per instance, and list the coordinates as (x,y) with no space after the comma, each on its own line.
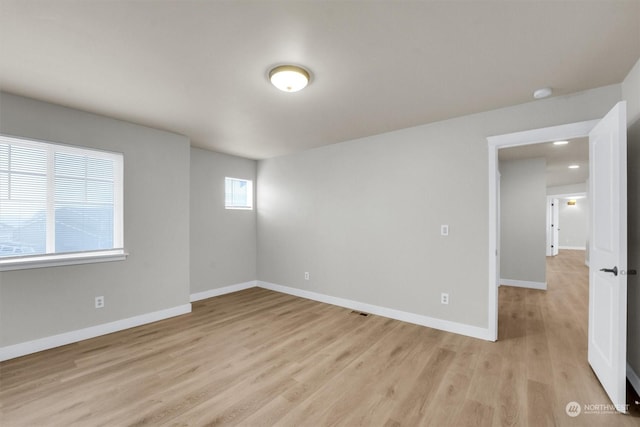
(542,93)
(289,78)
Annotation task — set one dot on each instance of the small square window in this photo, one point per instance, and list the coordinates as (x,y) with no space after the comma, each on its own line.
(238,193)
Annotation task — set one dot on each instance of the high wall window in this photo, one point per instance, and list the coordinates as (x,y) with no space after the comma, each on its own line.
(58,202)
(238,193)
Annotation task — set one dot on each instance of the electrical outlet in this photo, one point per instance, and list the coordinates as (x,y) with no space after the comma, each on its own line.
(306,275)
(444,298)
(444,230)
(100,302)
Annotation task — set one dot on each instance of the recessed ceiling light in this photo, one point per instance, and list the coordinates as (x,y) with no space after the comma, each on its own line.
(542,93)
(574,166)
(289,78)
(561,143)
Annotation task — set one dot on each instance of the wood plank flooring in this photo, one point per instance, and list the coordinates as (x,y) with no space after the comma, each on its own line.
(259,358)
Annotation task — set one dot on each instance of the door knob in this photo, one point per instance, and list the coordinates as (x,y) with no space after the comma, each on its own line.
(613,270)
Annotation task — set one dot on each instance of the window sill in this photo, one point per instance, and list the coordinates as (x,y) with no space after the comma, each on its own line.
(55,260)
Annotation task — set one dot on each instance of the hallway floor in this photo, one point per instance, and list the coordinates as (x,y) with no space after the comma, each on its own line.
(547,331)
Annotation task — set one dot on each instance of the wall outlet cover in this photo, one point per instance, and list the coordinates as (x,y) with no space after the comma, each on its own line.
(99,302)
(444,298)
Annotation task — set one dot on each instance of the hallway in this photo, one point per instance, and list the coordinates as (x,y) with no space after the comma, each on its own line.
(547,332)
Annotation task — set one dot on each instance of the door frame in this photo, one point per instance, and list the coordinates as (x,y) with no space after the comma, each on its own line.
(534,136)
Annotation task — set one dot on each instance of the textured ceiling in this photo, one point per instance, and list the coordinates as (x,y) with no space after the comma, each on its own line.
(200,68)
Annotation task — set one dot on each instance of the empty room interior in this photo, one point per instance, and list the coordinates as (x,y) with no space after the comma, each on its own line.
(393,213)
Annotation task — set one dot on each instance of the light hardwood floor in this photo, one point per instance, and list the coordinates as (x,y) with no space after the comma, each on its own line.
(257,357)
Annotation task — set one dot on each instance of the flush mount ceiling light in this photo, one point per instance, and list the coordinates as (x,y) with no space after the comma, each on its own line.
(289,78)
(561,143)
(574,166)
(542,93)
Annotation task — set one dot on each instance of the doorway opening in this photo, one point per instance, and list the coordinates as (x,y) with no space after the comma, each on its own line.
(530,176)
(607,327)
(518,139)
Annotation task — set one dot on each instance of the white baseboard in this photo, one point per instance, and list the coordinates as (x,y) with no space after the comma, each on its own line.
(633,378)
(22,349)
(222,291)
(431,322)
(573,248)
(524,284)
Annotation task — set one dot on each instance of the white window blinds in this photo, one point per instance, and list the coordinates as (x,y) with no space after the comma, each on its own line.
(23,200)
(238,193)
(58,199)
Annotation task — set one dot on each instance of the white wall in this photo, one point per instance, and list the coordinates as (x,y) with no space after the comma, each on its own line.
(523,219)
(363,217)
(573,224)
(42,302)
(631,93)
(567,189)
(223,241)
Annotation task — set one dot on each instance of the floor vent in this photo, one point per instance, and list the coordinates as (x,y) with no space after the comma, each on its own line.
(360,313)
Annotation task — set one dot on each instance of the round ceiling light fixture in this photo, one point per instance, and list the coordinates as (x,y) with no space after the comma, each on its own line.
(542,93)
(289,78)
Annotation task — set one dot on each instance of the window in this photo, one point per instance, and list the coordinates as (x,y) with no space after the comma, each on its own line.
(58,204)
(238,193)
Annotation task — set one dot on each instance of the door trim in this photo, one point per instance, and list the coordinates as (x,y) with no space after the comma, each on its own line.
(534,136)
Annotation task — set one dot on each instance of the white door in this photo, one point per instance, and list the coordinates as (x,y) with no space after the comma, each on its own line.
(607,348)
(552,226)
(555,225)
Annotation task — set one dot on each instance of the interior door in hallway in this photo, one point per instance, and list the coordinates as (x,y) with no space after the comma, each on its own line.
(552,226)
(608,254)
